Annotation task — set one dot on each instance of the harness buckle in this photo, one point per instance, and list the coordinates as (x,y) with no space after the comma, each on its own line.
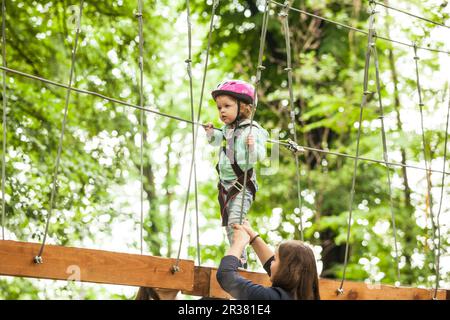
(236,184)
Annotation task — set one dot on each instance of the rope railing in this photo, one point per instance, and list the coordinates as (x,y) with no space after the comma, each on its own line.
(366,92)
(288,144)
(194,133)
(4,117)
(141,118)
(259,69)
(409,14)
(284,14)
(385,155)
(438,256)
(425,147)
(38,259)
(192,166)
(356,29)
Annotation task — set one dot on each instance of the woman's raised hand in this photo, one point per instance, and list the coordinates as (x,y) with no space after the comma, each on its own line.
(246,226)
(240,236)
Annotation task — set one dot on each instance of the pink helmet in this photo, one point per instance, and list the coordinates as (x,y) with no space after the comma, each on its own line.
(238,89)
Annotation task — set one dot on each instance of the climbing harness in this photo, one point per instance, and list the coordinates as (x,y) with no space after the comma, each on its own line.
(228,150)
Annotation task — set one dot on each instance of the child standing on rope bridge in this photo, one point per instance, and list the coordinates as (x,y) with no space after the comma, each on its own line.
(234,101)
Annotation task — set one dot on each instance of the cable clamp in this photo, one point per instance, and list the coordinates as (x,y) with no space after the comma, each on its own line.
(294,147)
(38,260)
(175,269)
(340,292)
(414,44)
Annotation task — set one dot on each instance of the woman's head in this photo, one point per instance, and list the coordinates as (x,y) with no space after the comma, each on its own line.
(294,270)
(234,99)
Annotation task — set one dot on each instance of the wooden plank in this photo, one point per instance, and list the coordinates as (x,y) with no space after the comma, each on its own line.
(362,291)
(352,290)
(98,266)
(202,277)
(87,265)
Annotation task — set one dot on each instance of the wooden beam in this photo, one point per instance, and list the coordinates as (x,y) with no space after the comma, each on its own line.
(87,265)
(202,276)
(362,291)
(352,290)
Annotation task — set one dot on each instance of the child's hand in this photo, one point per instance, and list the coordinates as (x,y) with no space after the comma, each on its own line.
(209,128)
(250,142)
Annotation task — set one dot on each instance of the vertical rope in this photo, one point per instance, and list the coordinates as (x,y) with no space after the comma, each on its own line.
(175,268)
(260,67)
(363,104)
(4,116)
(38,258)
(440,203)
(285,16)
(385,155)
(191,95)
(141,120)
(427,164)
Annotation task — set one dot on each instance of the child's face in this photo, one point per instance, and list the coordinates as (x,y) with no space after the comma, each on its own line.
(227,107)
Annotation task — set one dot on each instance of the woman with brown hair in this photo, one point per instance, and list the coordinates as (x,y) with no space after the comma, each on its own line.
(292,269)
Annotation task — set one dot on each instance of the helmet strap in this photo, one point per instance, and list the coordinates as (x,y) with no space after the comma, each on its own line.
(236,121)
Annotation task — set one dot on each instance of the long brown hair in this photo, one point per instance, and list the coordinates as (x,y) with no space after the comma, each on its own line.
(297,271)
(147,294)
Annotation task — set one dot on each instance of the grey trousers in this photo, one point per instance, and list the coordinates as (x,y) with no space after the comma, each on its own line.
(234,213)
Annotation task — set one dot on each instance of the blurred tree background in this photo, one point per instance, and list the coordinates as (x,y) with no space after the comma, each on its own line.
(98,202)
